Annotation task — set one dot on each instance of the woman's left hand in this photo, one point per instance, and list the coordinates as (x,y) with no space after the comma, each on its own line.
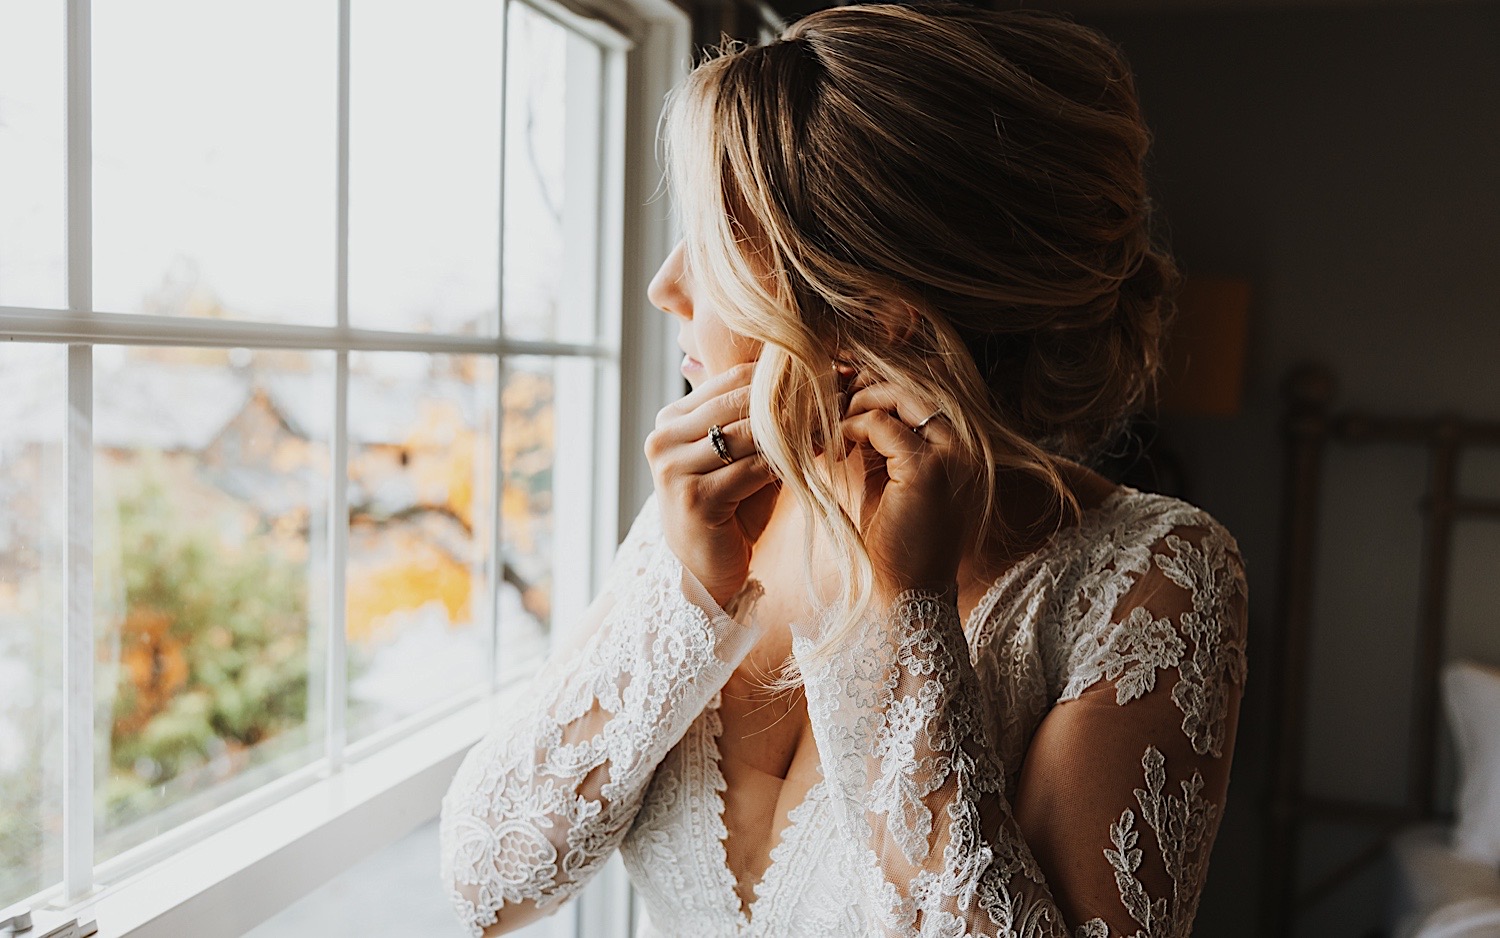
(921,493)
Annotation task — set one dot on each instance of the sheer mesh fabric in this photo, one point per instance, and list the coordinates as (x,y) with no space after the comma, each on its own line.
(538,805)
(1056,766)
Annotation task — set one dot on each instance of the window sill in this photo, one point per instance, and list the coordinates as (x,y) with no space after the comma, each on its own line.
(234,879)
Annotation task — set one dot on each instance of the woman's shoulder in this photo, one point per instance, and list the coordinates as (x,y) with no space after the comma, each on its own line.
(1115,524)
(1128,527)
(1073,581)
(1121,535)
(1165,588)
(1184,555)
(1195,556)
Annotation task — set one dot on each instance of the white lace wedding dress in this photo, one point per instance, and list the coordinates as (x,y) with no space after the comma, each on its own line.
(1135,617)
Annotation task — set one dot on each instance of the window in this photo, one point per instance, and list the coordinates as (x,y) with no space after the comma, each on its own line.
(314,414)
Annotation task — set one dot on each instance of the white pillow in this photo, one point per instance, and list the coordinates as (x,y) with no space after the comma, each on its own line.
(1472,694)
(1470,918)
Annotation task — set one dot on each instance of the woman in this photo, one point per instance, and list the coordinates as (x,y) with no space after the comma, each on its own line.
(932,677)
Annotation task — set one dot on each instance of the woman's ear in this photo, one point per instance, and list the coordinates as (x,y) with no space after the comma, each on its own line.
(898,318)
(895,320)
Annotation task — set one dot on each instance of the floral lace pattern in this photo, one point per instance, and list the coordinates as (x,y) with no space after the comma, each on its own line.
(1211,576)
(1192,821)
(533,812)
(920,825)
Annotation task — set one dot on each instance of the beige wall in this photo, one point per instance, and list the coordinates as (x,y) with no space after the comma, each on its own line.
(1347,162)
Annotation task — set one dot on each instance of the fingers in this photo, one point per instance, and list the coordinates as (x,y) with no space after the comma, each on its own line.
(689,432)
(909,461)
(887,435)
(671,456)
(696,469)
(740,479)
(677,426)
(701,457)
(909,411)
(720,384)
(681,446)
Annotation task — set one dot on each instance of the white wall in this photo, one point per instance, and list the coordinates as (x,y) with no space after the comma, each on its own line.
(1347,162)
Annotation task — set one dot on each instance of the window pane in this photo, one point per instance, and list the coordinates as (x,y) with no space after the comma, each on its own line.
(421,431)
(211,484)
(548,456)
(214,158)
(33,154)
(33,401)
(424,166)
(553,121)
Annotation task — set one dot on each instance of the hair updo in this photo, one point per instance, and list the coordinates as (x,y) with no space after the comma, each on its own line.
(982,169)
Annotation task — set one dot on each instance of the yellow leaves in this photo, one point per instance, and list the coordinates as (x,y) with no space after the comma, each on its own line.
(410,574)
(527,449)
(396,567)
(441,456)
(154,663)
(527,445)
(516,506)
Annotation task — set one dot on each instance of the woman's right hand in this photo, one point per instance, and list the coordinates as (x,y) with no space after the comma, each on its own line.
(711,512)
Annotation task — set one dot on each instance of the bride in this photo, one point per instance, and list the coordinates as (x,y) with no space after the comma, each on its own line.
(879,656)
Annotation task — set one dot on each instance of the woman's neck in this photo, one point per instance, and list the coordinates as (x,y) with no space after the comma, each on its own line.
(1029,514)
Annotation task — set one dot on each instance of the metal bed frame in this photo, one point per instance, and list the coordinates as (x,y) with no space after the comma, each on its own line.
(1310,429)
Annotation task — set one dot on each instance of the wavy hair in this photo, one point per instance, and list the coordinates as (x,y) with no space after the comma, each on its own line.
(974,176)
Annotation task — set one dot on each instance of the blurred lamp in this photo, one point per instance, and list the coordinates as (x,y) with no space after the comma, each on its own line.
(1205,357)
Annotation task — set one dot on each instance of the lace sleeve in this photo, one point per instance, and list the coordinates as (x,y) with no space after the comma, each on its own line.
(906,743)
(539,804)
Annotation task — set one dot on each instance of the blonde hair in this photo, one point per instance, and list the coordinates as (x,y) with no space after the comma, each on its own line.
(982,169)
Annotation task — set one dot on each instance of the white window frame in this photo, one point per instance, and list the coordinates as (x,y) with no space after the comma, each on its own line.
(233,868)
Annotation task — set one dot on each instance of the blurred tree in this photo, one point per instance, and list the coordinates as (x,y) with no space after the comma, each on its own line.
(213,646)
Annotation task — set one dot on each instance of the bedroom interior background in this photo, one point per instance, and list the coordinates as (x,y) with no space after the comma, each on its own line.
(1346,160)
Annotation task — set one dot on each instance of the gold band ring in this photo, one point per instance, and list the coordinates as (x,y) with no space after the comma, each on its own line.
(917,429)
(720,445)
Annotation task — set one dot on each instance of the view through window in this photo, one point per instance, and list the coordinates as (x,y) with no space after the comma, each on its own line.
(410,238)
